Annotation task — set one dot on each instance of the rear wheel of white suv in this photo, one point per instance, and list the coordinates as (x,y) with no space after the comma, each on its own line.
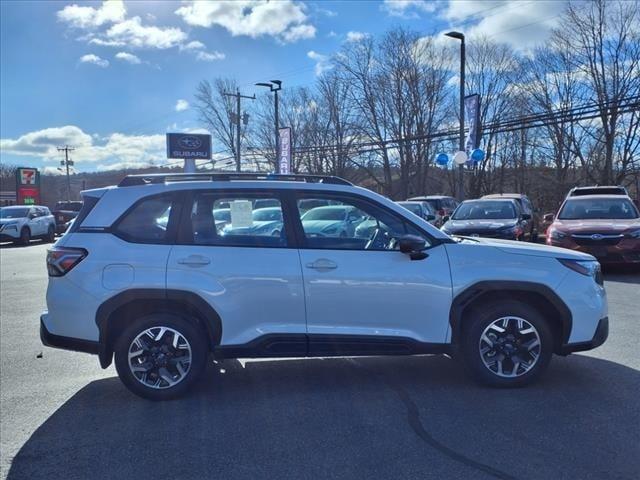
(506,343)
(160,356)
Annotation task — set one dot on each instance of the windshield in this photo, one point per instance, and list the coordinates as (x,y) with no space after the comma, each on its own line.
(598,208)
(13,212)
(486,210)
(325,213)
(267,215)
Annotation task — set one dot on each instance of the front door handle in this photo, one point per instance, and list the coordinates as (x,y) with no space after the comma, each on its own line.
(322,264)
(194,261)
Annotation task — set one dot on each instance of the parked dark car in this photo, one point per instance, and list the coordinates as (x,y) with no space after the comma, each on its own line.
(63,213)
(606,226)
(490,218)
(443,205)
(422,209)
(531,226)
(598,190)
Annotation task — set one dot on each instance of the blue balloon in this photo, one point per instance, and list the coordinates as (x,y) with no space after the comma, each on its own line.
(442,159)
(477,155)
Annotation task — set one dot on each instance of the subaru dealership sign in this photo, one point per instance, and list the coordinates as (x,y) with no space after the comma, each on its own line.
(189,146)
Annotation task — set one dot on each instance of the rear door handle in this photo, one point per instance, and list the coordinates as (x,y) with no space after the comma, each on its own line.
(194,261)
(322,264)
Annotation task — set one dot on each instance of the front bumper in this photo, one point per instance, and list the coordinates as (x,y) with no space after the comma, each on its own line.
(9,235)
(599,337)
(48,339)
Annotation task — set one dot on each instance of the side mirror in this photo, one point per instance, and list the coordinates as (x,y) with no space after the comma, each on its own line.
(445,219)
(526,216)
(413,246)
(548,217)
(32,216)
(430,217)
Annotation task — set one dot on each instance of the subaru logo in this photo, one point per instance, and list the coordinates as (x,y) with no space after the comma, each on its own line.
(596,236)
(190,142)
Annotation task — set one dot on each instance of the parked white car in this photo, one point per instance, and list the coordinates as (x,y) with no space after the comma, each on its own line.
(21,223)
(161,296)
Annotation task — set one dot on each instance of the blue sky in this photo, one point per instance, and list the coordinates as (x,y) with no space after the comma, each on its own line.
(112,77)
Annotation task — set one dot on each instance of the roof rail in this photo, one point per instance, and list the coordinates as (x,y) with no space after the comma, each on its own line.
(156,178)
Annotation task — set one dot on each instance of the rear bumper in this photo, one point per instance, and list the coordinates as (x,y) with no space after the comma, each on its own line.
(599,337)
(66,343)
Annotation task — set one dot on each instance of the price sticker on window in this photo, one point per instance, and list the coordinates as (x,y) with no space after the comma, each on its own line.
(241,214)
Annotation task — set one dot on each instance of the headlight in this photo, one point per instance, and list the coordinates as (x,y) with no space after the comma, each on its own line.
(557,235)
(634,234)
(589,268)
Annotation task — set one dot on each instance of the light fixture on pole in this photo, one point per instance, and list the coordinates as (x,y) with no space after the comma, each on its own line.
(274,86)
(460,36)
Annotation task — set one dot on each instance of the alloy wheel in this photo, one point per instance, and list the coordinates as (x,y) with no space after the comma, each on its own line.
(160,357)
(510,347)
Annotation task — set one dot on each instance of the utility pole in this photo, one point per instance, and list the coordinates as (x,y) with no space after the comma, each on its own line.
(67,163)
(274,86)
(238,116)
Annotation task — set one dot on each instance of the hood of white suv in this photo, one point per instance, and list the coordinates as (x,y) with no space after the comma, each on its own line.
(532,249)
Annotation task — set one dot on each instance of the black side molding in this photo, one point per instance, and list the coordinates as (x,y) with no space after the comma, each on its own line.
(48,339)
(320,345)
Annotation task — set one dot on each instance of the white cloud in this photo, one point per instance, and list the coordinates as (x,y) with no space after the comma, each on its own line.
(408,9)
(77,16)
(94,59)
(210,56)
(116,147)
(322,61)
(132,33)
(128,57)
(356,36)
(193,45)
(521,24)
(181,105)
(285,20)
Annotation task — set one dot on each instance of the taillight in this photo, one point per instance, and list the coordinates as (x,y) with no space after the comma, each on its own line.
(60,260)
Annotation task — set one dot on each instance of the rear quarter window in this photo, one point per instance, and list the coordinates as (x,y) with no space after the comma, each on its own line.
(147,221)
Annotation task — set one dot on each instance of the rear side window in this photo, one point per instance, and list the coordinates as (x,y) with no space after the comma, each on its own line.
(147,221)
(87,206)
(242,220)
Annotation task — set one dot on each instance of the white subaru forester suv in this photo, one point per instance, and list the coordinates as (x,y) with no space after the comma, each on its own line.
(146,274)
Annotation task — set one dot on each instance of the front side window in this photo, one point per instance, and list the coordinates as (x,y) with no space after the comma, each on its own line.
(147,221)
(241,221)
(350,223)
(598,208)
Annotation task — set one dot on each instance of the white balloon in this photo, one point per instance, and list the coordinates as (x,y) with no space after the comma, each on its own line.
(460,157)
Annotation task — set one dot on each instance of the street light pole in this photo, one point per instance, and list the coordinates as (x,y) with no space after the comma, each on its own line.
(460,36)
(274,86)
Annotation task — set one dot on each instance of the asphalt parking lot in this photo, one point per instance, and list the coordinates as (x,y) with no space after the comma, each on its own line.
(393,417)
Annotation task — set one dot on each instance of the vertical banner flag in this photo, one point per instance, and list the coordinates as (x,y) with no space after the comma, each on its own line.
(284,160)
(472,120)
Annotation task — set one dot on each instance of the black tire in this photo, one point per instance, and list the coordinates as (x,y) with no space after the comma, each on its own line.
(51,235)
(25,236)
(479,319)
(198,342)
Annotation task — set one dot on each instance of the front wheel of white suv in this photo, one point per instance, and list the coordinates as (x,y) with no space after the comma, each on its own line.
(506,343)
(160,356)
